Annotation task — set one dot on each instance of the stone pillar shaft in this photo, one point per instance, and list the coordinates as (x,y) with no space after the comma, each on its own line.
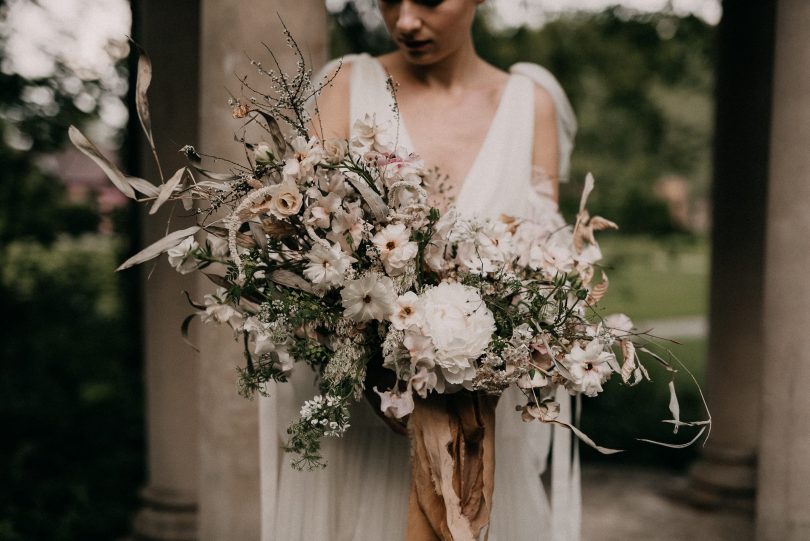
(725,473)
(783,504)
(229,490)
(168,31)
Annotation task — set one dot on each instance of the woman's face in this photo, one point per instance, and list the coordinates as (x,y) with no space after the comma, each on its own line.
(427,31)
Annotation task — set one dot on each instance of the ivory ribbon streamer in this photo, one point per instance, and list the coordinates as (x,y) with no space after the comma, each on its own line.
(453,467)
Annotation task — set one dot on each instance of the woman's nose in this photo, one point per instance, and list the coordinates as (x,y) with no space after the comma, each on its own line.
(408,21)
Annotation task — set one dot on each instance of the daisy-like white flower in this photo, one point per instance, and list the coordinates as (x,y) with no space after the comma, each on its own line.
(327,266)
(369,297)
(589,367)
(181,257)
(396,248)
(407,312)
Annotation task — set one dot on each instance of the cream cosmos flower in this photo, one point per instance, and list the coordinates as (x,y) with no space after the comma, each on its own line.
(369,297)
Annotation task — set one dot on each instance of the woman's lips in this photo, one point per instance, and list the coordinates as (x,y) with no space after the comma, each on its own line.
(415,44)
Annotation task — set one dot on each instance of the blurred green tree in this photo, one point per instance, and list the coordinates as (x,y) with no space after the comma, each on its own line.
(72,449)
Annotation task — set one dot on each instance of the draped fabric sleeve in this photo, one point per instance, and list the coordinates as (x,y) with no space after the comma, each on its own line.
(566,119)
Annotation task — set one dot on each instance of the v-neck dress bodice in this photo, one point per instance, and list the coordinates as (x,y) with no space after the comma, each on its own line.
(363,493)
(500,178)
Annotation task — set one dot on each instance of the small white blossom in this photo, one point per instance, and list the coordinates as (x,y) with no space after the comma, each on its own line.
(589,367)
(218,311)
(396,405)
(181,257)
(407,311)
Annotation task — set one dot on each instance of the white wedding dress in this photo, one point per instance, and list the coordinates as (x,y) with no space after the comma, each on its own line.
(362,495)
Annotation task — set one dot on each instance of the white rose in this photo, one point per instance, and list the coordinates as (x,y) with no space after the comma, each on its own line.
(460,325)
(335,150)
(286,199)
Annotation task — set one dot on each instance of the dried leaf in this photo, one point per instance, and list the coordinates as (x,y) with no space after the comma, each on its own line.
(674,407)
(153,250)
(599,290)
(213,175)
(676,445)
(599,223)
(278,229)
(142,82)
(218,280)
(629,356)
(582,436)
(275,132)
(258,234)
(184,331)
(115,175)
(144,186)
(167,189)
(290,279)
(374,201)
(245,241)
(586,191)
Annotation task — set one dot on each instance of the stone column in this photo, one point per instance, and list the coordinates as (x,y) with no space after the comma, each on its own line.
(783,503)
(726,471)
(168,31)
(229,432)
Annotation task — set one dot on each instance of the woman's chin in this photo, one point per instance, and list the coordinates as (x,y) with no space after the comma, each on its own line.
(421,57)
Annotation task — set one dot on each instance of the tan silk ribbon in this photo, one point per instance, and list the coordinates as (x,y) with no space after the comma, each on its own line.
(453,467)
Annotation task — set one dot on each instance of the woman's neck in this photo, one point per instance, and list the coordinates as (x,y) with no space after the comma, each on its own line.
(453,70)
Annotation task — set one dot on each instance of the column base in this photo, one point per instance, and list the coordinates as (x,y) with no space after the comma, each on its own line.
(723,478)
(166,515)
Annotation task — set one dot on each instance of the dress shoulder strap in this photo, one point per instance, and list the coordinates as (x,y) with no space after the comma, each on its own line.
(566,119)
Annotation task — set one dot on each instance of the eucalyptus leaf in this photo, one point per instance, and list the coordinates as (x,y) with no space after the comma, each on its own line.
(167,189)
(142,82)
(118,178)
(155,249)
(144,186)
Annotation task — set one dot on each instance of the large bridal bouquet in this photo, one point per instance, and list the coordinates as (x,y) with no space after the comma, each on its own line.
(327,253)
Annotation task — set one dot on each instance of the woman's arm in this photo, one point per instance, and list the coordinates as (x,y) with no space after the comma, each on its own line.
(545,155)
(331,120)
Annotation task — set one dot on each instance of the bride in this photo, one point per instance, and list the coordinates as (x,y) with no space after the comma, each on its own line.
(504,142)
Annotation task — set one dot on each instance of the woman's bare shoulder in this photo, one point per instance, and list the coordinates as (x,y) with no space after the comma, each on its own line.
(332,110)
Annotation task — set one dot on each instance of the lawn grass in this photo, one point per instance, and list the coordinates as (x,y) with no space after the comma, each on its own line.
(654,278)
(651,279)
